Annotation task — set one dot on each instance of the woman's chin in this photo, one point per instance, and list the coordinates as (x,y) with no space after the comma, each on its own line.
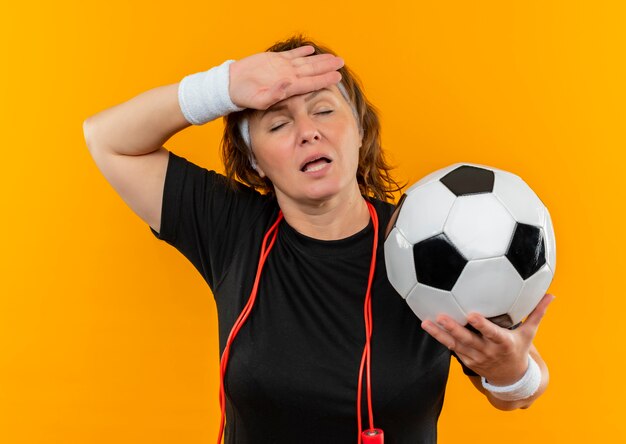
(321,192)
(325,192)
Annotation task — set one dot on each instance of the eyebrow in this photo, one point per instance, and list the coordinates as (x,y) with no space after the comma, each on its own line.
(308,98)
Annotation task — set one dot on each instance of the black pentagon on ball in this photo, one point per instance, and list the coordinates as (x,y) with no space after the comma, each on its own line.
(437,262)
(527,251)
(468,179)
(503,320)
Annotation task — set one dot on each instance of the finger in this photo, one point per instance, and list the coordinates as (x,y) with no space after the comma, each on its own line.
(461,335)
(307,84)
(467,359)
(300,51)
(439,334)
(312,59)
(534,318)
(317,66)
(487,329)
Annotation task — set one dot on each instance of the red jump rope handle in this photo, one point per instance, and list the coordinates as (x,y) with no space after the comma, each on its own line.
(373,436)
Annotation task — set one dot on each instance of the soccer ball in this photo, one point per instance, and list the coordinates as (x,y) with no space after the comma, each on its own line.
(468,238)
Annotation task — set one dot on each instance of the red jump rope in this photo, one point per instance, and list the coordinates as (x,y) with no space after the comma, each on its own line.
(369,436)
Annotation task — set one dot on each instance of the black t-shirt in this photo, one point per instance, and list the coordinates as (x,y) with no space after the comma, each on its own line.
(293,369)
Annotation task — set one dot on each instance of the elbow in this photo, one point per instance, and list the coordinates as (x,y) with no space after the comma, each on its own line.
(89,134)
(86,133)
(508,406)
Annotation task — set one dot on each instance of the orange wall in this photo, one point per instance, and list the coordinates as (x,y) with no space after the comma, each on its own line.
(109,335)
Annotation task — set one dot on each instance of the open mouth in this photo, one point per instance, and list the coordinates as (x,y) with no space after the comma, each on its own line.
(315,164)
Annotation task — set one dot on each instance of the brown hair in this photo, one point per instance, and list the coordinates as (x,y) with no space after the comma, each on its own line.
(373,173)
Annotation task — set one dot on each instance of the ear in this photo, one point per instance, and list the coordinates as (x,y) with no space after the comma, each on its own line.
(256,167)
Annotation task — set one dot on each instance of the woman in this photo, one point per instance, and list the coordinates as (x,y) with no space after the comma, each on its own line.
(298,220)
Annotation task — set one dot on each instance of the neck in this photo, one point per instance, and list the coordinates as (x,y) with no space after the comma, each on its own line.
(332,219)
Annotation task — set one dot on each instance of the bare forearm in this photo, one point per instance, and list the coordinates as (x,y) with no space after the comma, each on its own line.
(138,126)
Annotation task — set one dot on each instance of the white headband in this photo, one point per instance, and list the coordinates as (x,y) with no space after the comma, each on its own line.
(245,131)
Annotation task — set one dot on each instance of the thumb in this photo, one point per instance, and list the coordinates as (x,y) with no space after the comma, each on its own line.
(534,318)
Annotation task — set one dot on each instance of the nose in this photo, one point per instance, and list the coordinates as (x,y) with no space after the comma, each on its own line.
(307,130)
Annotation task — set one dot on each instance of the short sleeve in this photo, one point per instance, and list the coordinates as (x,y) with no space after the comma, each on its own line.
(172,192)
(204,216)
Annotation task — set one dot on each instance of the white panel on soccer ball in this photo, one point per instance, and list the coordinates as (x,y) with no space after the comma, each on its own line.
(428,302)
(519,199)
(550,242)
(479,226)
(488,286)
(531,293)
(424,212)
(435,175)
(400,263)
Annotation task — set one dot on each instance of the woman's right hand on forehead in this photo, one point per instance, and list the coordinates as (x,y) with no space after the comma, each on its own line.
(262,79)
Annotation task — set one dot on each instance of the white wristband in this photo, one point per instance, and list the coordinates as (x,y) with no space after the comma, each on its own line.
(203,96)
(522,389)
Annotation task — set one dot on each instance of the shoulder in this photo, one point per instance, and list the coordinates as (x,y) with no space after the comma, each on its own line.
(192,171)
(213,200)
(384,210)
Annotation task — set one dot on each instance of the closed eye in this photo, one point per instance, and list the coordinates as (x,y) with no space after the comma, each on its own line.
(281,125)
(276,127)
